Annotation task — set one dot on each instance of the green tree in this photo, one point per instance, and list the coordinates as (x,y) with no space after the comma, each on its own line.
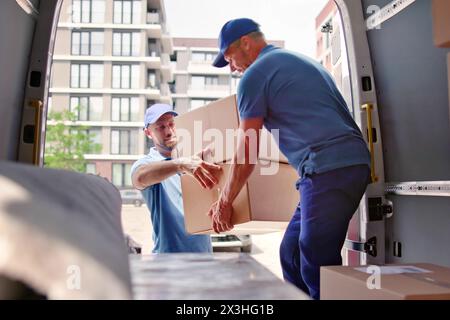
(67,143)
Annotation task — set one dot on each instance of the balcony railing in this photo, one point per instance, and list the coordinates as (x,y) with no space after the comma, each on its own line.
(202,62)
(211,87)
(153,18)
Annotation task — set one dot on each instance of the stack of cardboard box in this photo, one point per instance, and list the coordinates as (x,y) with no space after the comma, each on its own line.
(269,198)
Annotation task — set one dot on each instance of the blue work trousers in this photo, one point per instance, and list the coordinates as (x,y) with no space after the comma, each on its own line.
(317,231)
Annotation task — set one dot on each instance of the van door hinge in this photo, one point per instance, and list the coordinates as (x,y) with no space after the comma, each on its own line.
(378,210)
(369,247)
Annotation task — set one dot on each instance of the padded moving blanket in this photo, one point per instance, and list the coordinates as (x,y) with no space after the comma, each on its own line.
(61,235)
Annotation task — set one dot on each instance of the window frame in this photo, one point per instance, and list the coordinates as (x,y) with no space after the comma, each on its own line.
(88,107)
(89,20)
(131,46)
(128,148)
(88,75)
(132,11)
(130,81)
(123,171)
(130,99)
(89,44)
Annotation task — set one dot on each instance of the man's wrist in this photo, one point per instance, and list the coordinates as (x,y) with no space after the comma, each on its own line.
(179,165)
(224,202)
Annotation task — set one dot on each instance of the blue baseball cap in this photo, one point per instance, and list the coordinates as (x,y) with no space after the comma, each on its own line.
(232,31)
(155,112)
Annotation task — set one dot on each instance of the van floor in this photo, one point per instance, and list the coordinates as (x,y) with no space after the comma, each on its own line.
(217,276)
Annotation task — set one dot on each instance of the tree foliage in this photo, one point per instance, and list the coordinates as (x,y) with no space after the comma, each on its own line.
(66,143)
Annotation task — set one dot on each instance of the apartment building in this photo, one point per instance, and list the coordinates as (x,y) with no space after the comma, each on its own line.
(331,50)
(196,81)
(111,61)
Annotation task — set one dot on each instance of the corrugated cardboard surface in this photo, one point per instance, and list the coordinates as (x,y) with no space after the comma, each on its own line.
(448,73)
(216,118)
(273,197)
(441,23)
(197,202)
(263,199)
(346,283)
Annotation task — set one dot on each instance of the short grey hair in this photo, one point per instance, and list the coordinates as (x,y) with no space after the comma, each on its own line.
(254,35)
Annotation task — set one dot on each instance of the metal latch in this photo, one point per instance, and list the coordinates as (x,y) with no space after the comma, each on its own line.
(378,210)
(369,247)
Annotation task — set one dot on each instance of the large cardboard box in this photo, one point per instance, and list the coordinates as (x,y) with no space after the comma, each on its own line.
(216,123)
(421,281)
(265,204)
(448,73)
(441,23)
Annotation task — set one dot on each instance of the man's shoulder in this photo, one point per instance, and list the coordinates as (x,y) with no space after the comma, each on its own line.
(148,158)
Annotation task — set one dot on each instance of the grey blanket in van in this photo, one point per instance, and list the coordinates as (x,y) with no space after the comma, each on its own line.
(61,234)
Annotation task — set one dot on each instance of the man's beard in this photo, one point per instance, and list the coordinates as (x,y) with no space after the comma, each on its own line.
(169,145)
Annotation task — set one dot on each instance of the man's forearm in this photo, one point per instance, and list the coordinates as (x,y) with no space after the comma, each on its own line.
(237,178)
(154,173)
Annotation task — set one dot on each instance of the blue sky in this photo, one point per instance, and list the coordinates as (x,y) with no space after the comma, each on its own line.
(289,20)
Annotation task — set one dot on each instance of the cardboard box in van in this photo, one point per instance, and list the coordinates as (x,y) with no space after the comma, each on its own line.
(441,23)
(419,281)
(448,73)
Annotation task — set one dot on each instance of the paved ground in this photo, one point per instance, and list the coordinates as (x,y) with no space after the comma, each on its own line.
(136,223)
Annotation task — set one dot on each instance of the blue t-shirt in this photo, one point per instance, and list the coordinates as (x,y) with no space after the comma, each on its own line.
(165,202)
(297,96)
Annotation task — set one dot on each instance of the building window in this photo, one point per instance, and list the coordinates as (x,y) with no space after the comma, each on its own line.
(211,81)
(88,11)
(124,141)
(125,109)
(121,174)
(91,168)
(87,43)
(198,103)
(127,11)
(203,56)
(86,76)
(152,78)
(199,82)
(153,48)
(125,76)
(95,136)
(126,44)
(87,108)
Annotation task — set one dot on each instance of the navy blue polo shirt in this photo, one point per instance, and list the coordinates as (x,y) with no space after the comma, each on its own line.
(297,96)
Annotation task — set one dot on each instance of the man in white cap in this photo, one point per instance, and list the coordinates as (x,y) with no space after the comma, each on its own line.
(157,175)
(294,94)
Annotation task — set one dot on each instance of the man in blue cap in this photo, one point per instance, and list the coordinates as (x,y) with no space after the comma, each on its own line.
(157,175)
(296,95)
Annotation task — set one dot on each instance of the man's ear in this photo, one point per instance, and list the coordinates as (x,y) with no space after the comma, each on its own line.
(148,133)
(245,43)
